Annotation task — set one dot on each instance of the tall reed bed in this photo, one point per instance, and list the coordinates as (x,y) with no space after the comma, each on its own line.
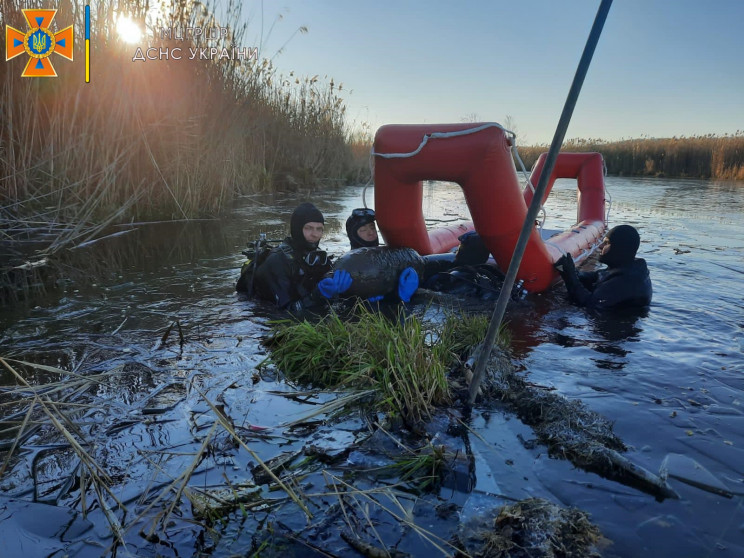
(157,138)
(709,156)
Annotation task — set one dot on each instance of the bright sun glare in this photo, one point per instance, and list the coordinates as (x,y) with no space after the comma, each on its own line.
(128,30)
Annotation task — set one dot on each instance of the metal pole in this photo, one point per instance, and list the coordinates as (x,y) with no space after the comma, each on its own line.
(527,227)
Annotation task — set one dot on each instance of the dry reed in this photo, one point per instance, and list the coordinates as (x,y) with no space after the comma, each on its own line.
(156,139)
(709,156)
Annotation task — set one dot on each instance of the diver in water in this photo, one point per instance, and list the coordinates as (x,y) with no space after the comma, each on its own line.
(293,275)
(362,233)
(625,283)
(468,272)
(361,230)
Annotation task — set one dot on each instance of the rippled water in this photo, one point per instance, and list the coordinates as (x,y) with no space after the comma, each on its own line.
(672,381)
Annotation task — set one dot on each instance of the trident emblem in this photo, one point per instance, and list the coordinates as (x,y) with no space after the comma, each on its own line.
(39,43)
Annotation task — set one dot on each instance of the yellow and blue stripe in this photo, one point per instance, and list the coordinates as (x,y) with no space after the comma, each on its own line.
(87,43)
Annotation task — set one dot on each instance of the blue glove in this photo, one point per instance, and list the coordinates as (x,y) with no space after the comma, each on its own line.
(375,298)
(332,286)
(408,282)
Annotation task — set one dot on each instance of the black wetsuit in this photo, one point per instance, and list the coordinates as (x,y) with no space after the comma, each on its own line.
(615,287)
(287,280)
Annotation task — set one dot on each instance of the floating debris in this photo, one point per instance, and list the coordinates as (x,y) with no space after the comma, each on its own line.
(330,446)
(537,528)
(275,467)
(370,550)
(573,432)
(215,503)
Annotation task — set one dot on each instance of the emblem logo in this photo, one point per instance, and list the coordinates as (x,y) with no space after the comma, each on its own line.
(39,43)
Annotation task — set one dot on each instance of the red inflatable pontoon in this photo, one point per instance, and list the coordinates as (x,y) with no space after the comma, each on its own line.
(478,158)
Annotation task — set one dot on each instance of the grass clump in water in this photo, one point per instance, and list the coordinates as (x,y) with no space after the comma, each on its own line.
(404,360)
(536,527)
(461,333)
(422,469)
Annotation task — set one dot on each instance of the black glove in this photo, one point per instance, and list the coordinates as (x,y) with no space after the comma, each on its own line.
(565,264)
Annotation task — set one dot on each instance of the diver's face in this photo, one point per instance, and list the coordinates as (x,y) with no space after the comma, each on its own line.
(367,232)
(604,249)
(605,246)
(313,232)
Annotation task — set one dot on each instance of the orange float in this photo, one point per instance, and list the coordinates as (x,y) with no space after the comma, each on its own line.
(478,157)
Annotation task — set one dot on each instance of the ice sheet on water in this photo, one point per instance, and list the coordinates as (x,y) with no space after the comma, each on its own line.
(691,472)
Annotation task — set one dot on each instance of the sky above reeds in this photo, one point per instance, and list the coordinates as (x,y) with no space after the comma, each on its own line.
(662,68)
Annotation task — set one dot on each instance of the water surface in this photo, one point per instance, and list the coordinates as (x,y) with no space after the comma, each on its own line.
(672,381)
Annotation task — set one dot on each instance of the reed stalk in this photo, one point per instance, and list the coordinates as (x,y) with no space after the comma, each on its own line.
(364,499)
(96,476)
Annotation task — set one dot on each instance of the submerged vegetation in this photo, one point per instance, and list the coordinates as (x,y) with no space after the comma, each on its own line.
(710,156)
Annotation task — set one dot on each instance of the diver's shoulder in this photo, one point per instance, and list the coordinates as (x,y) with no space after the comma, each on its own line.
(639,265)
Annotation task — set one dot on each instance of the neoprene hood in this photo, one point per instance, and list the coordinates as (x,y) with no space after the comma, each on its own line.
(359,218)
(624,242)
(303,214)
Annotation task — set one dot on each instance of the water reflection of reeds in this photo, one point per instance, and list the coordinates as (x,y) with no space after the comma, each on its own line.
(144,248)
(27,272)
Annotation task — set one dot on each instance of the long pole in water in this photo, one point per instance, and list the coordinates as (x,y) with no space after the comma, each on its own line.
(555,146)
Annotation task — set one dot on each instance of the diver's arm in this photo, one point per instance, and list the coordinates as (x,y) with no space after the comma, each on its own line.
(273,280)
(589,279)
(577,292)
